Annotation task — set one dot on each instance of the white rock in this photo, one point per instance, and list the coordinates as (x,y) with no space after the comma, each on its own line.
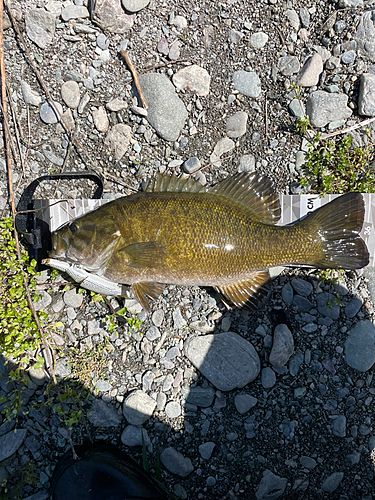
(40,26)
(194,79)
(118,139)
(310,72)
(138,407)
(366,99)
(135,5)
(258,40)
(236,124)
(70,94)
(100,118)
(29,95)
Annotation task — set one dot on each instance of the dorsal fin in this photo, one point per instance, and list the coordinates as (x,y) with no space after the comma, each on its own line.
(172,183)
(254,191)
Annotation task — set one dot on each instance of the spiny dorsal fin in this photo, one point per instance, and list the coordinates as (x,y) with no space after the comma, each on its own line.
(144,291)
(243,291)
(254,191)
(174,184)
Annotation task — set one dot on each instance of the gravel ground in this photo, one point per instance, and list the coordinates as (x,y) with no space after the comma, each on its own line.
(270,403)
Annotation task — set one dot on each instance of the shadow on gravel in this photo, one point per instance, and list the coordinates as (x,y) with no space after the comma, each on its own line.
(274,411)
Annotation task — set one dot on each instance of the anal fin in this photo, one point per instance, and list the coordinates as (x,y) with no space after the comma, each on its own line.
(144,291)
(242,292)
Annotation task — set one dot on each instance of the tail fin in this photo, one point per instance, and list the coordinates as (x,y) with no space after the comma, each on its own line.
(338,224)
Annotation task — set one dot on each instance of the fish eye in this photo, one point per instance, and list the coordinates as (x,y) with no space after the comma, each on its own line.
(73,227)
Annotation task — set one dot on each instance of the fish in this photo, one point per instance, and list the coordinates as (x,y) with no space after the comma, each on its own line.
(223,236)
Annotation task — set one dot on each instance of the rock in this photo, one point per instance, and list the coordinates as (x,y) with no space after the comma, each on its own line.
(69,12)
(103,385)
(158,317)
(349,57)
(366,99)
(70,94)
(310,72)
(297,108)
(323,108)
(191,165)
(308,462)
(227,360)
(282,347)
(153,333)
(175,51)
(247,83)
(258,40)
(110,16)
(10,442)
(360,346)
(201,396)
(288,65)
(67,120)
(246,163)
(193,79)
(301,303)
(116,105)
(235,36)
(166,112)
(267,377)
(100,119)
(173,409)
(328,305)
(236,124)
(293,18)
(332,482)
(175,462)
(287,293)
(180,22)
(37,375)
(302,287)
(118,139)
(72,298)
(138,407)
(270,486)
(206,449)
(48,114)
(102,414)
(244,402)
(222,146)
(338,425)
(44,300)
(134,436)
(353,307)
(30,96)
(350,3)
(178,320)
(365,35)
(40,27)
(135,5)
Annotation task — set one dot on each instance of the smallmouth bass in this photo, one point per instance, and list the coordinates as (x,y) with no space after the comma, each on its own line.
(179,232)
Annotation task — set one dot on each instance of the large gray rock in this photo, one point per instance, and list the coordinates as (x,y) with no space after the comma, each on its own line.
(360,346)
(270,486)
(365,35)
(310,72)
(110,16)
(40,26)
(102,414)
(175,462)
(201,396)
(282,347)
(227,360)
(138,407)
(325,107)
(10,442)
(247,83)
(366,99)
(332,482)
(166,111)
(193,79)
(118,139)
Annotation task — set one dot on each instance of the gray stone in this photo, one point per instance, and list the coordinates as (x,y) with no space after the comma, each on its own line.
(40,26)
(100,119)
(193,79)
(350,3)
(287,293)
(271,486)
(62,368)
(360,346)
(293,18)
(244,402)
(37,375)
(349,57)
(70,94)
(323,108)
(102,414)
(308,462)
(118,139)
(365,35)
(69,12)
(135,5)
(175,462)
(227,360)
(158,317)
(110,16)
(295,363)
(267,377)
(246,163)
(338,425)
(304,15)
(353,306)
(289,65)
(282,347)
(72,298)
(332,482)
(302,287)
(118,104)
(134,436)
(44,300)
(366,99)
(29,95)
(206,449)
(328,305)
(247,83)
(166,111)
(191,165)
(222,146)
(103,386)
(10,442)
(258,40)
(153,333)
(311,71)
(297,108)
(49,114)
(201,396)
(236,124)
(235,36)
(173,409)
(178,320)
(138,407)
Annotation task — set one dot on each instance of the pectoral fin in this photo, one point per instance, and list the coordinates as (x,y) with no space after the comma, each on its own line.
(243,291)
(144,254)
(144,291)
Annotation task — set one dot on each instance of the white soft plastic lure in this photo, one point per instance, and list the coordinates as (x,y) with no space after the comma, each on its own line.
(87,280)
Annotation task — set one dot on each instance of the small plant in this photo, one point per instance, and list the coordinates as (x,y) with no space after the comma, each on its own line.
(303,124)
(331,275)
(339,167)
(121,315)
